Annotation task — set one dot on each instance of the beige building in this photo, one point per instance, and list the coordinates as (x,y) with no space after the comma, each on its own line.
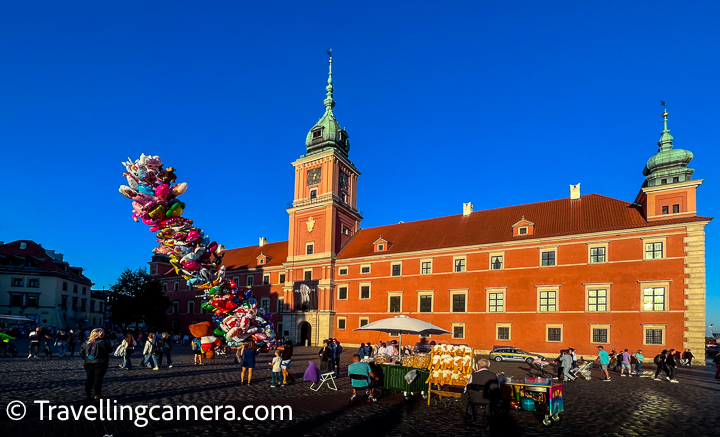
(37,283)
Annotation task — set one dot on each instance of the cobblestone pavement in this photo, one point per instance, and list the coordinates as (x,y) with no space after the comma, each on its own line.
(623,407)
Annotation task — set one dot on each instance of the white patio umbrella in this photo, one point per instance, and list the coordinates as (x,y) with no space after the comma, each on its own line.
(404,325)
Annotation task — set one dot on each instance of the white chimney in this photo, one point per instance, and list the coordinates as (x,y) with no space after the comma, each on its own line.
(574,192)
(50,253)
(23,245)
(263,241)
(467,209)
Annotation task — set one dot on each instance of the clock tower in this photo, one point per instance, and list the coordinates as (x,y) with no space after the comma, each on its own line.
(323,215)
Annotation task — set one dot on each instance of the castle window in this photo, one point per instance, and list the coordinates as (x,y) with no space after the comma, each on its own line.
(282,278)
(663,181)
(548,258)
(459,265)
(343,271)
(309,248)
(365,269)
(33,283)
(676,179)
(426,267)
(266,279)
(381,247)
(396,270)
(342,293)
(317,133)
(308,275)
(496,262)
(313,194)
(664,209)
(676,209)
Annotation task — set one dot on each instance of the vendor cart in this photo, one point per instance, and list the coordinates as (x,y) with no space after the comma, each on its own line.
(533,396)
(394,379)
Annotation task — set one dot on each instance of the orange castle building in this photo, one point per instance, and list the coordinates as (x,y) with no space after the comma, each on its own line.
(581,271)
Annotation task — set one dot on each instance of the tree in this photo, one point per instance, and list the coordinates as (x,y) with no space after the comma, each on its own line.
(136,298)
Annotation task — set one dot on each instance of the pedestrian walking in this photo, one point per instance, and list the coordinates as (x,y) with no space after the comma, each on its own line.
(61,341)
(96,355)
(150,353)
(246,356)
(559,362)
(639,362)
(325,355)
(287,352)
(276,369)
(165,350)
(659,361)
(128,346)
(688,357)
(72,342)
(672,365)
(338,352)
(185,339)
(196,347)
(624,363)
(604,359)
(574,357)
(566,361)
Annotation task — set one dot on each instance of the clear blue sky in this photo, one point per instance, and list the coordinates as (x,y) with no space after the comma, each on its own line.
(497,103)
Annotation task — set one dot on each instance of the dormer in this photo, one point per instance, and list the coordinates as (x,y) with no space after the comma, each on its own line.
(263,259)
(523,228)
(381,245)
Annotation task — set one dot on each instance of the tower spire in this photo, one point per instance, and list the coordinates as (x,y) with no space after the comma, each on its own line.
(329,102)
(666,139)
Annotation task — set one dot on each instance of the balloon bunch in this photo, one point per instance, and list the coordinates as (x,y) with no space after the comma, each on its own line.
(192,254)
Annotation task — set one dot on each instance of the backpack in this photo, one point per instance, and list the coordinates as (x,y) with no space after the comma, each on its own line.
(657,359)
(195,344)
(92,351)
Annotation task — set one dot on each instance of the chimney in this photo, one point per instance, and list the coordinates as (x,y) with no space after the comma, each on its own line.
(574,192)
(263,241)
(23,245)
(50,253)
(59,257)
(467,209)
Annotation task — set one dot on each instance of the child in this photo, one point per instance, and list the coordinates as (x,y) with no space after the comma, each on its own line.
(276,371)
(197,349)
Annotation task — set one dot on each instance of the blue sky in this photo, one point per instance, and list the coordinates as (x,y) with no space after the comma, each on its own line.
(497,103)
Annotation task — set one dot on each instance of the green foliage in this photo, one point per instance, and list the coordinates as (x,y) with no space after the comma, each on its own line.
(137,298)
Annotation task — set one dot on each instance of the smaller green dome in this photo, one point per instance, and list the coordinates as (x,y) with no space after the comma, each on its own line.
(668,165)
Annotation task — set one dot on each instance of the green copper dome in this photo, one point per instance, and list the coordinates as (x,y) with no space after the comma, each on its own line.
(668,165)
(327,133)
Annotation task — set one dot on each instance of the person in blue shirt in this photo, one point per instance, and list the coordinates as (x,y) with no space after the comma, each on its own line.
(360,368)
(604,361)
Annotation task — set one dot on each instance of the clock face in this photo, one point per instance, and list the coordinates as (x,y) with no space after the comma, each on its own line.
(343,181)
(314,176)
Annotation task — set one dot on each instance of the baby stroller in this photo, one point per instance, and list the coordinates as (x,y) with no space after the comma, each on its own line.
(583,370)
(540,366)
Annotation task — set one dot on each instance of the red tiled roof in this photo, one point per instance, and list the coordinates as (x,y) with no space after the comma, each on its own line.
(246,257)
(32,249)
(590,213)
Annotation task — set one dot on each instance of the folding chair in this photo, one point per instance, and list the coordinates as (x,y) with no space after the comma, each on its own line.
(326,376)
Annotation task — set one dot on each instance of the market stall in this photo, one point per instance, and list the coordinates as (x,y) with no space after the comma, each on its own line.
(450,368)
(535,395)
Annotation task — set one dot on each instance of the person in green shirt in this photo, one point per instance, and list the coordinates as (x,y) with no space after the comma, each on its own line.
(604,361)
(639,358)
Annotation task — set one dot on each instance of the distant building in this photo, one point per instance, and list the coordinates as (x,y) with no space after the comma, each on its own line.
(98,308)
(581,271)
(37,283)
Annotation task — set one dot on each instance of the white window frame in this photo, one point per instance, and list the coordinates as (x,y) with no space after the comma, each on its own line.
(307,246)
(452,329)
(395,294)
(282,278)
(554,325)
(311,274)
(369,267)
(493,254)
(347,291)
(265,299)
(662,327)
(422,261)
(545,289)
(607,286)
(188,304)
(430,293)
(360,321)
(521,229)
(399,263)
(497,331)
(360,286)
(280,304)
(542,250)
(596,245)
(340,271)
(250,280)
(460,258)
(600,326)
(344,319)
(268,279)
(463,292)
(649,240)
(500,290)
(655,284)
